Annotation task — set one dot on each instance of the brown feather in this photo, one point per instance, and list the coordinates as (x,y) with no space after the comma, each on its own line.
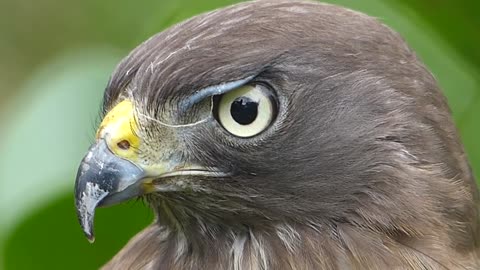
(363,170)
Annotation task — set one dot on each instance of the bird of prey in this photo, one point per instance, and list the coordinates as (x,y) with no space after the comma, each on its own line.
(282,135)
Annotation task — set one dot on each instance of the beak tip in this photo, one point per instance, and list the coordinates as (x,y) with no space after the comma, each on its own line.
(98,182)
(86,222)
(86,204)
(87,227)
(90,237)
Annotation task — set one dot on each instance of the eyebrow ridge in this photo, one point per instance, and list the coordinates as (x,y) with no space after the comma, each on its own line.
(212,90)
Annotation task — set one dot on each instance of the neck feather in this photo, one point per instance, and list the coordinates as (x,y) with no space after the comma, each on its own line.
(285,246)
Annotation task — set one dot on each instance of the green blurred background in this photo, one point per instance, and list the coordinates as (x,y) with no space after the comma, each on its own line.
(56,57)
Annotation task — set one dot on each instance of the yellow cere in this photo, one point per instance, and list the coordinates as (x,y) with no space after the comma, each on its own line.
(118,128)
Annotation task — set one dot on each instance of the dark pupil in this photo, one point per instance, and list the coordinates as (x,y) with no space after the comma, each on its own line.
(244,110)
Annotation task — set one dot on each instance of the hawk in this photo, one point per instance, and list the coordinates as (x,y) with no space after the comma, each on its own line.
(282,135)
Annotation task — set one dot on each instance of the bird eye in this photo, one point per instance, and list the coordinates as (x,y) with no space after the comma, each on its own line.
(245,111)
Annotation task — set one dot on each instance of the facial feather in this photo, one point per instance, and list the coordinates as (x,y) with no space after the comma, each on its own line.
(361,168)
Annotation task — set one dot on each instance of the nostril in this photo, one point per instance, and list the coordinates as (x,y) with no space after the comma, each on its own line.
(123,144)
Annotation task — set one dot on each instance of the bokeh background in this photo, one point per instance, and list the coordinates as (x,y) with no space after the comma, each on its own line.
(55,60)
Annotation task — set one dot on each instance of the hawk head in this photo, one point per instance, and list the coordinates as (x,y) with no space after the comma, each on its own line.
(280,115)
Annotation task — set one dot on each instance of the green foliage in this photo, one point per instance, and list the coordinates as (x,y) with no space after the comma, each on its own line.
(52,117)
(50,238)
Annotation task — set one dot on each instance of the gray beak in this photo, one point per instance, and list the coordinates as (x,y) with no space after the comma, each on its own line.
(104,179)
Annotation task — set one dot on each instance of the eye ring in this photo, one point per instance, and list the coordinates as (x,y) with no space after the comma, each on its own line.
(246,111)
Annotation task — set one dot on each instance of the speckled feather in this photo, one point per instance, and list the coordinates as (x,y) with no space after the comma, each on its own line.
(362,169)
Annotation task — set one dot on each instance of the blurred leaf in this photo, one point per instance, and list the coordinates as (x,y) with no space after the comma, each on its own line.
(49,128)
(52,239)
(457,21)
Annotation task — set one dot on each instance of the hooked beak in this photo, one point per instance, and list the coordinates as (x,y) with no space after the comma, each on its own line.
(112,172)
(104,179)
